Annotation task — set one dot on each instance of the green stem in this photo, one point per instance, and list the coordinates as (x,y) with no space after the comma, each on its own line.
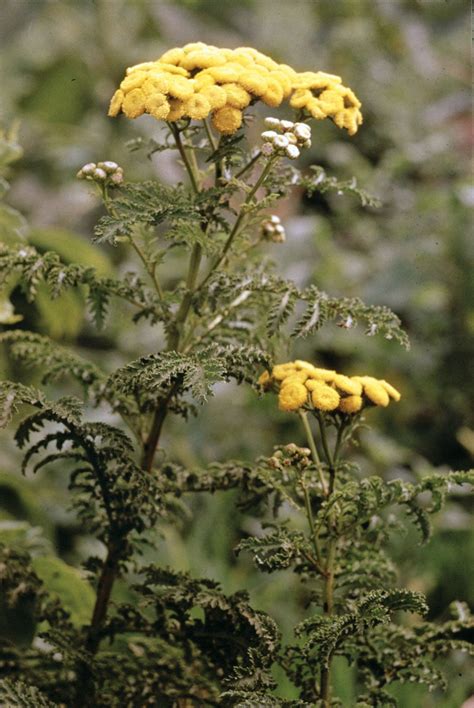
(314,450)
(210,136)
(150,269)
(249,165)
(331,554)
(240,218)
(174,337)
(190,169)
(314,535)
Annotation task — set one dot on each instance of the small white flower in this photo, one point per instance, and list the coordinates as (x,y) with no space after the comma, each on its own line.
(281,141)
(117,178)
(279,229)
(292,152)
(89,168)
(108,166)
(275,219)
(269,135)
(272,122)
(292,138)
(287,124)
(99,174)
(307,144)
(302,131)
(267,149)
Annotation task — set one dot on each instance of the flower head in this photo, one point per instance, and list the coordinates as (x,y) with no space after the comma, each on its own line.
(301,385)
(238,77)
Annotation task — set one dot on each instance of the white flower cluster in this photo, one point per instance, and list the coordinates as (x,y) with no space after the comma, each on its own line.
(273,229)
(285,137)
(107,171)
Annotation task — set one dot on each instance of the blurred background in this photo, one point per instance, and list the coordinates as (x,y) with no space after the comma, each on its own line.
(408,62)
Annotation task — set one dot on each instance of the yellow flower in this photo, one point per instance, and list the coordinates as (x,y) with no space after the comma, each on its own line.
(294,377)
(245,74)
(253,82)
(197,107)
(391,390)
(314,107)
(281,371)
(116,103)
(264,379)
(331,102)
(133,104)
(300,98)
(171,69)
(172,56)
(202,59)
(273,96)
(350,404)
(292,397)
(203,80)
(323,374)
(326,388)
(323,396)
(179,87)
(227,120)
(229,73)
(144,66)
(216,96)
(176,109)
(374,391)
(133,81)
(305,366)
(283,79)
(347,385)
(157,106)
(155,83)
(237,97)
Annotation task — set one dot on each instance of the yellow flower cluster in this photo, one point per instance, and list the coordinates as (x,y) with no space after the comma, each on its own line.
(199,80)
(301,384)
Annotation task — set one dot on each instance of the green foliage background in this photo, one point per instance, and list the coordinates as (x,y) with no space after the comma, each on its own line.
(408,62)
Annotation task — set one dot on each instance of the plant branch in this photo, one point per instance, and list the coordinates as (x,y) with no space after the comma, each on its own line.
(240,221)
(314,450)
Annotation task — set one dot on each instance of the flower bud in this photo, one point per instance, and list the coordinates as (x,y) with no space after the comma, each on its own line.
(99,174)
(281,141)
(275,219)
(116,178)
(272,122)
(292,152)
(292,138)
(88,169)
(269,135)
(267,149)
(287,125)
(302,131)
(108,166)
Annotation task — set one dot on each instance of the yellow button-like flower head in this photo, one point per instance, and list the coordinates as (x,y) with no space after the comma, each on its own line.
(351,404)
(324,397)
(292,397)
(227,120)
(245,74)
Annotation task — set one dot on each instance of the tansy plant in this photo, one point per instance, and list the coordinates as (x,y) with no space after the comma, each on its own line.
(149,635)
